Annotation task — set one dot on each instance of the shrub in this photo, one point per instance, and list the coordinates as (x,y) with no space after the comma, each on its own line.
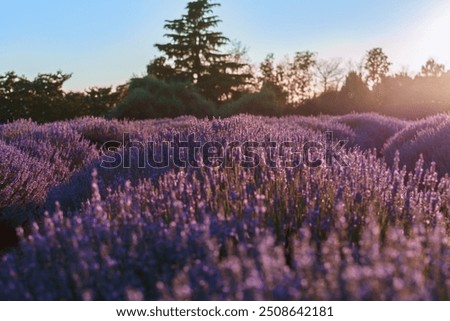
(262,103)
(98,130)
(372,130)
(151,98)
(322,124)
(55,143)
(24,183)
(36,158)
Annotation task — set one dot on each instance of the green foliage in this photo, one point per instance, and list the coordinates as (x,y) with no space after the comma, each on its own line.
(194,79)
(193,54)
(290,80)
(265,102)
(329,103)
(273,78)
(300,76)
(354,93)
(43,99)
(160,69)
(39,99)
(412,98)
(149,97)
(353,96)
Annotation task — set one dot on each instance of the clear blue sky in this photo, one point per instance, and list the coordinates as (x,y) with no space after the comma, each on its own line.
(105,42)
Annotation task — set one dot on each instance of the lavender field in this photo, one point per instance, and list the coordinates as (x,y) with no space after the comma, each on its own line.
(374,228)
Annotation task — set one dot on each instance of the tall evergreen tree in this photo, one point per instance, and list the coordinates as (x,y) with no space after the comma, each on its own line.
(193,54)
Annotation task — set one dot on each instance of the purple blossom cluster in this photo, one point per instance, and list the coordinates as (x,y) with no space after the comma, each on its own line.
(33,160)
(365,231)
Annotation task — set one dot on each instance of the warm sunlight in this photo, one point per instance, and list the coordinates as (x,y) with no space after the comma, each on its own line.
(433,35)
(230,153)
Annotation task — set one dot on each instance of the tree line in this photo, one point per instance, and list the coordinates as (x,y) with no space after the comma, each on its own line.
(44,100)
(201,74)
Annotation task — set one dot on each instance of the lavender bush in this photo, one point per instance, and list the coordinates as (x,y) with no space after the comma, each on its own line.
(365,231)
(24,182)
(372,130)
(429,137)
(55,143)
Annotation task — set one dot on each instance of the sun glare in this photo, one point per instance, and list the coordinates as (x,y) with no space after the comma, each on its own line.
(433,34)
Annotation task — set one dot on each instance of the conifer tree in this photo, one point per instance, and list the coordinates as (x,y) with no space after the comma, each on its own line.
(193,54)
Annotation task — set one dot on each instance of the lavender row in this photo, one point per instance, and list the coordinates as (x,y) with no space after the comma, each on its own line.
(368,230)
